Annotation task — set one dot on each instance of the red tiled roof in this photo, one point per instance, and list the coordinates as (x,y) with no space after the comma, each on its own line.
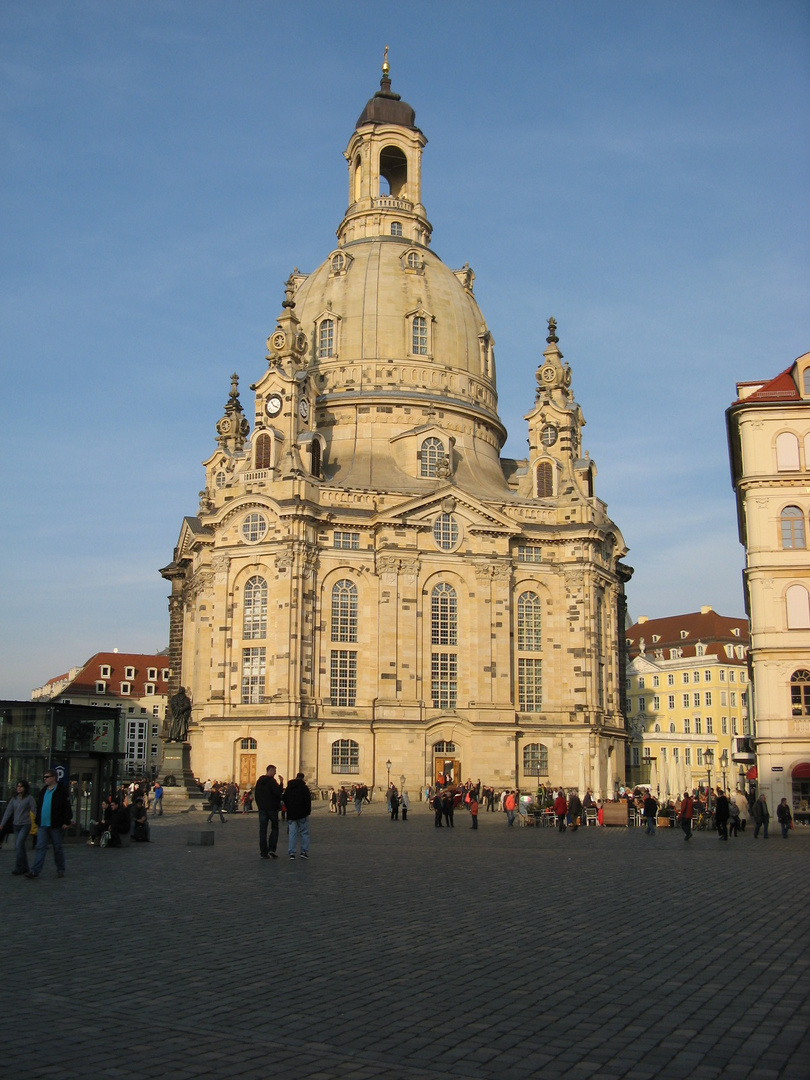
(117,662)
(782,388)
(713,631)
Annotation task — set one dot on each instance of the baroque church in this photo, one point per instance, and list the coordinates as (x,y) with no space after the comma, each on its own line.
(369,591)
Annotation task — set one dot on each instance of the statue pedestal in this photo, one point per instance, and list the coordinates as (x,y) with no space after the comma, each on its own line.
(177,763)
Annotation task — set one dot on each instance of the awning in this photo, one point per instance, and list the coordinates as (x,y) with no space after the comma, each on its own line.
(752,773)
(802,772)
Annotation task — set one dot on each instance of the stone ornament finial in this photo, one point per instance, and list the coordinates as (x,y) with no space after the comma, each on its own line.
(386,70)
(552,331)
(289,289)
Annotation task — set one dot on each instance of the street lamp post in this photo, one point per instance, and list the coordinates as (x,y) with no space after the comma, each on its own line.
(724,767)
(388,766)
(708,758)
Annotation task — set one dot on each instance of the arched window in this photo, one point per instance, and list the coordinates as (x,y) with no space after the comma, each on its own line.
(358,178)
(445,532)
(264,448)
(800,692)
(545,480)
(345,756)
(529,611)
(431,453)
(326,338)
(444,632)
(344,611)
(396,228)
(315,458)
(535,759)
(249,744)
(444,748)
(419,342)
(787,452)
(414,260)
(792,522)
(806,382)
(797,604)
(255,618)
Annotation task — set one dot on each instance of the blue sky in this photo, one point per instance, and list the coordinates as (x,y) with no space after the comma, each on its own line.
(637,170)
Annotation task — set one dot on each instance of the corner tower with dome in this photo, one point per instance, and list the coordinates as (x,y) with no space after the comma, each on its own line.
(368,588)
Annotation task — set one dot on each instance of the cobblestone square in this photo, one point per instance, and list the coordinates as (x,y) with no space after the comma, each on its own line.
(407,951)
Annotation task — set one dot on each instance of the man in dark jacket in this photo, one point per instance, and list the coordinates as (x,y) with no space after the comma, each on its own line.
(54,815)
(268,802)
(299,806)
(721,814)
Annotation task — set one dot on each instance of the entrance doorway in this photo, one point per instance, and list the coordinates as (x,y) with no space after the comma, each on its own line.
(247,771)
(446,770)
(84,794)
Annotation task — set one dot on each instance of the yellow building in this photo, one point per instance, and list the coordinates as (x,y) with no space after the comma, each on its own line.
(769,445)
(368,588)
(687,693)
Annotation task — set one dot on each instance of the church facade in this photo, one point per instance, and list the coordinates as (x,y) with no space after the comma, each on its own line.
(368,590)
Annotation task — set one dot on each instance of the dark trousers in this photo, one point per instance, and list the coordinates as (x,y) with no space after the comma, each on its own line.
(722,828)
(475,821)
(404,813)
(268,843)
(342,809)
(438,821)
(686,825)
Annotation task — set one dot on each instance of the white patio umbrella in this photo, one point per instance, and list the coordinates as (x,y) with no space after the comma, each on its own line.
(663,782)
(680,775)
(582,787)
(687,780)
(654,778)
(609,793)
(672,777)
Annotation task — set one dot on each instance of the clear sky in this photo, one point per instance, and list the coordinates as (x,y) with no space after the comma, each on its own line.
(637,170)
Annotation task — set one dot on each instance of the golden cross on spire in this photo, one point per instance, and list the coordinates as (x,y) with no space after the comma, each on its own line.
(385,67)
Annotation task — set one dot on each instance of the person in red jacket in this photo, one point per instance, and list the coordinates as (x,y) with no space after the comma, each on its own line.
(686,815)
(474,808)
(561,810)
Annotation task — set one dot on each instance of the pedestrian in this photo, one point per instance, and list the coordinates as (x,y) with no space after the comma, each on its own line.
(405,802)
(650,813)
(474,808)
(784,817)
(437,809)
(574,810)
(721,814)
(20,812)
(509,804)
(448,809)
(393,803)
(761,817)
(157,792)
(247,801)
(686,815)
(343,799)
(215,802)
(733,818)
(54,816)
(561,810)
(298,801)
(268,802)
(358,800)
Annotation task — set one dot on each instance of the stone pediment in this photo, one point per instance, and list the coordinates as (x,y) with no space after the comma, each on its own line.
(192,532)
(641,665)
(419,512)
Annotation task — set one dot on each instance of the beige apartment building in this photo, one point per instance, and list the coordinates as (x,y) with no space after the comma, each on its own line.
(769,447)
(687,691)
(368,590)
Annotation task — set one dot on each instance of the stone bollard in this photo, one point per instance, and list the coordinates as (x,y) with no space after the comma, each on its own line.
(200,837)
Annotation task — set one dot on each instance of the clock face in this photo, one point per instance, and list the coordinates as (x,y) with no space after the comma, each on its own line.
(548,435)
(273,405)
(548,374)
(303,409)
(278,340)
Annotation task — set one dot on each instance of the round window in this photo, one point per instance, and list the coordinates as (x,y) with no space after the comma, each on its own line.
(338,263)
(254,527)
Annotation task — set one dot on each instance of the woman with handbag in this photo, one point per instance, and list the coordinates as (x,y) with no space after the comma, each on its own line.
(18,813)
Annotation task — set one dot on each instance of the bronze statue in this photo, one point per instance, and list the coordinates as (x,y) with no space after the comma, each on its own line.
(180,705)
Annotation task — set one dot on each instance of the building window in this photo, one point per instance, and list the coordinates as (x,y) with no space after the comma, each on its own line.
(641,682)
(101,688)
(326,339)
(430,455)
(724,725)
(672,729)
(221,479)
(699,756)
(732,698)
(722,675)
(126,688)
(105,671)
(686,701)
(656,680)
(530,684)
(687,726)
(696,676)
(528,618)
(656,703)
(443,680)
(151,674)
(419,340)
(263,451)
(444,748)
(642,704)
(445,532)
(249,744)
(671,701)
(254,624)
(700,650)
(709,726)
(800,692)
(787,452)
(414,260)
(670,679)
(529,553)
(254,527)
(344,611)
(253,672)
(707,676)
(347,540)
(545,480)
(636,757)
(154,731)
(149,689)
(792,522)
(687,756)
(343,677)
(734,726)
(686,676)
(129,672)
(345,756)
(696,700)
(535,759)
(698,726)
(396,228)
(798,607)
(443,615)
(338,263)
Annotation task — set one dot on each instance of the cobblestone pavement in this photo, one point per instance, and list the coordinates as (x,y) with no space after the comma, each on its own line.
(405,951)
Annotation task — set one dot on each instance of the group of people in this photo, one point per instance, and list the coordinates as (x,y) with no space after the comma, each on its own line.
(272,797)
(229,797)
